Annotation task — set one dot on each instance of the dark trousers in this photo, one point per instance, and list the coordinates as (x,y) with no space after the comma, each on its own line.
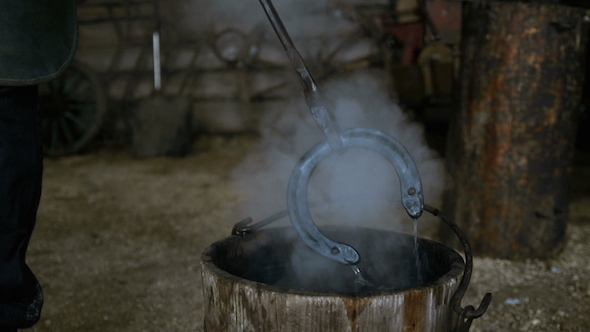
(21,168)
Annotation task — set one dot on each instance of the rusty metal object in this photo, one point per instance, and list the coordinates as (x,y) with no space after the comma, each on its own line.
(446,16)
(429,22)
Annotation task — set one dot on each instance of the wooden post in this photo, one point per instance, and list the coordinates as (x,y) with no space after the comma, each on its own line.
(511,143)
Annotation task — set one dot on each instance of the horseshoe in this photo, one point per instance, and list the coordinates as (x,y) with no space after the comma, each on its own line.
(373,139)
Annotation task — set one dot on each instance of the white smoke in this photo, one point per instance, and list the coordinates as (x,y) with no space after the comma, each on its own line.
(363,182)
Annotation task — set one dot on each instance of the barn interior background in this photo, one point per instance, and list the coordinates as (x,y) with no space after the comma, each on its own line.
(140,179)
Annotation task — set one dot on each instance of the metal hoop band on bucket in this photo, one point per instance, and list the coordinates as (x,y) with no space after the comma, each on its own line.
(388,147)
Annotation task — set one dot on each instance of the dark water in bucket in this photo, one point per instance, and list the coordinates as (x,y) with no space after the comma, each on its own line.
(278,257)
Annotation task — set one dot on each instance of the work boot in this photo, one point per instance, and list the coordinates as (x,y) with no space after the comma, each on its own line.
(22,313)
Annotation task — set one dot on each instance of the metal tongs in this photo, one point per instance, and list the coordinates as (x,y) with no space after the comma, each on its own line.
(313,99)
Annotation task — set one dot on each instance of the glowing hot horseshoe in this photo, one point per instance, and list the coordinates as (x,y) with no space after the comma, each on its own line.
(373,139)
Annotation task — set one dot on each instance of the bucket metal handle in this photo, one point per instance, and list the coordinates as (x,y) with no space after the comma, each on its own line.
(468,313)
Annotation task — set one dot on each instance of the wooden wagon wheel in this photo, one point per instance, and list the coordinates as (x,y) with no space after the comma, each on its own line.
(73,106)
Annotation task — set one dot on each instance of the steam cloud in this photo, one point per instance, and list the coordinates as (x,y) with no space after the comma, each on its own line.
(288,131)
(363,182)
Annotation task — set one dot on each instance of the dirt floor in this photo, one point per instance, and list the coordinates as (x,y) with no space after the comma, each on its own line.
(118,241)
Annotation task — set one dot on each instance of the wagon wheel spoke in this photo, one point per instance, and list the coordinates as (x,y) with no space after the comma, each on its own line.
(73,106)
(54,135)
(66,131)
(73,83)
(78,120)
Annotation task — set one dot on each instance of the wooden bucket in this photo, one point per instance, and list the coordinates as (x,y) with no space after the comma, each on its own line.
(269,280)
